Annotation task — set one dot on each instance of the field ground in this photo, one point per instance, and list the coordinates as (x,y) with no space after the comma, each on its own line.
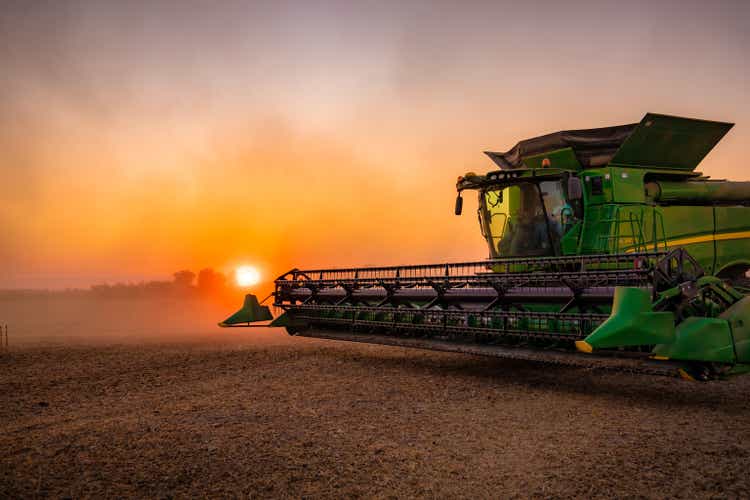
(255,412)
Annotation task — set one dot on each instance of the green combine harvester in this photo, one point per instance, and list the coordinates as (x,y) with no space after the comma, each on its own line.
(606,249)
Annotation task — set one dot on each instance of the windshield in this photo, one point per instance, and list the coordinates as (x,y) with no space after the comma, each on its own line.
(516,223)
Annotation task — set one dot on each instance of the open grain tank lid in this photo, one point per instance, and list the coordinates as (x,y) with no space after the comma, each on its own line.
(658,141)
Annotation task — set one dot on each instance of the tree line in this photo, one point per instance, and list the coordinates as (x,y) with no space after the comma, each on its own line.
(185,283)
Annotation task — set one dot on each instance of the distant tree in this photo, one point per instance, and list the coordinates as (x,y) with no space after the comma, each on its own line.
(210,284)
(211,281)
(156,287)
(100,290)
(184,278)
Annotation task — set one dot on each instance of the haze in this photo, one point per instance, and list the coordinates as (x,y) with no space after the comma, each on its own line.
(138,138)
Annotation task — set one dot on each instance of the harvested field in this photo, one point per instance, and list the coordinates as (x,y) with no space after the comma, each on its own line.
(255,412)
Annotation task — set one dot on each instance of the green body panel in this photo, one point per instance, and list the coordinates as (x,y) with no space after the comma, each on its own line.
(738,319)
(704,339)
(740,369)
(627,184)
(569,242)
(622,219)
(620,228)
(251,312)
(282,320)
(562,158)
(633,322)
(732,243)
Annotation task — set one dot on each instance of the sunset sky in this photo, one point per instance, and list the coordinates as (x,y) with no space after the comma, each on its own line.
(137,139)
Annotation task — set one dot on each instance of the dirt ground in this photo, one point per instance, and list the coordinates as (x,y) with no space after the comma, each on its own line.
(257,413)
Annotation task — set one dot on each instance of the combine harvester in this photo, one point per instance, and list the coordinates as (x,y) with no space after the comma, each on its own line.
(607,250)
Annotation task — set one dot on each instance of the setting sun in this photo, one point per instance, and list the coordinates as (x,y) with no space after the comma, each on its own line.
(247,276)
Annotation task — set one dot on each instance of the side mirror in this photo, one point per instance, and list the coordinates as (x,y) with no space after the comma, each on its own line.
(575,188)
(459,204)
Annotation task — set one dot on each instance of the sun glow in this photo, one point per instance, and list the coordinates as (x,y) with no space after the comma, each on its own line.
(246,276)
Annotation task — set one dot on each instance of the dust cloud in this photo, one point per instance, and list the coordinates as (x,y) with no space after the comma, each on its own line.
(87,320)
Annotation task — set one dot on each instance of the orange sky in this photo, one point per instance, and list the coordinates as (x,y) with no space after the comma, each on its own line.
(139,138)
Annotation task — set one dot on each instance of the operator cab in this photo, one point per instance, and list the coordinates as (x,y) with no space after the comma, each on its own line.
(527,218)
(533,205)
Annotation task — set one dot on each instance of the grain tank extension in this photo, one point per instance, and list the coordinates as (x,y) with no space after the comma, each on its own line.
(606,249)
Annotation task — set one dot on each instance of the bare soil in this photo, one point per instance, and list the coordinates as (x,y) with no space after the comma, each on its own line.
(257,413)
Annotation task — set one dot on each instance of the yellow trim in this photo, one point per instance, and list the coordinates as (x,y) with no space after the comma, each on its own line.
(702,239)
(709,237)
(659,358)
(584,346)
(685,375)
